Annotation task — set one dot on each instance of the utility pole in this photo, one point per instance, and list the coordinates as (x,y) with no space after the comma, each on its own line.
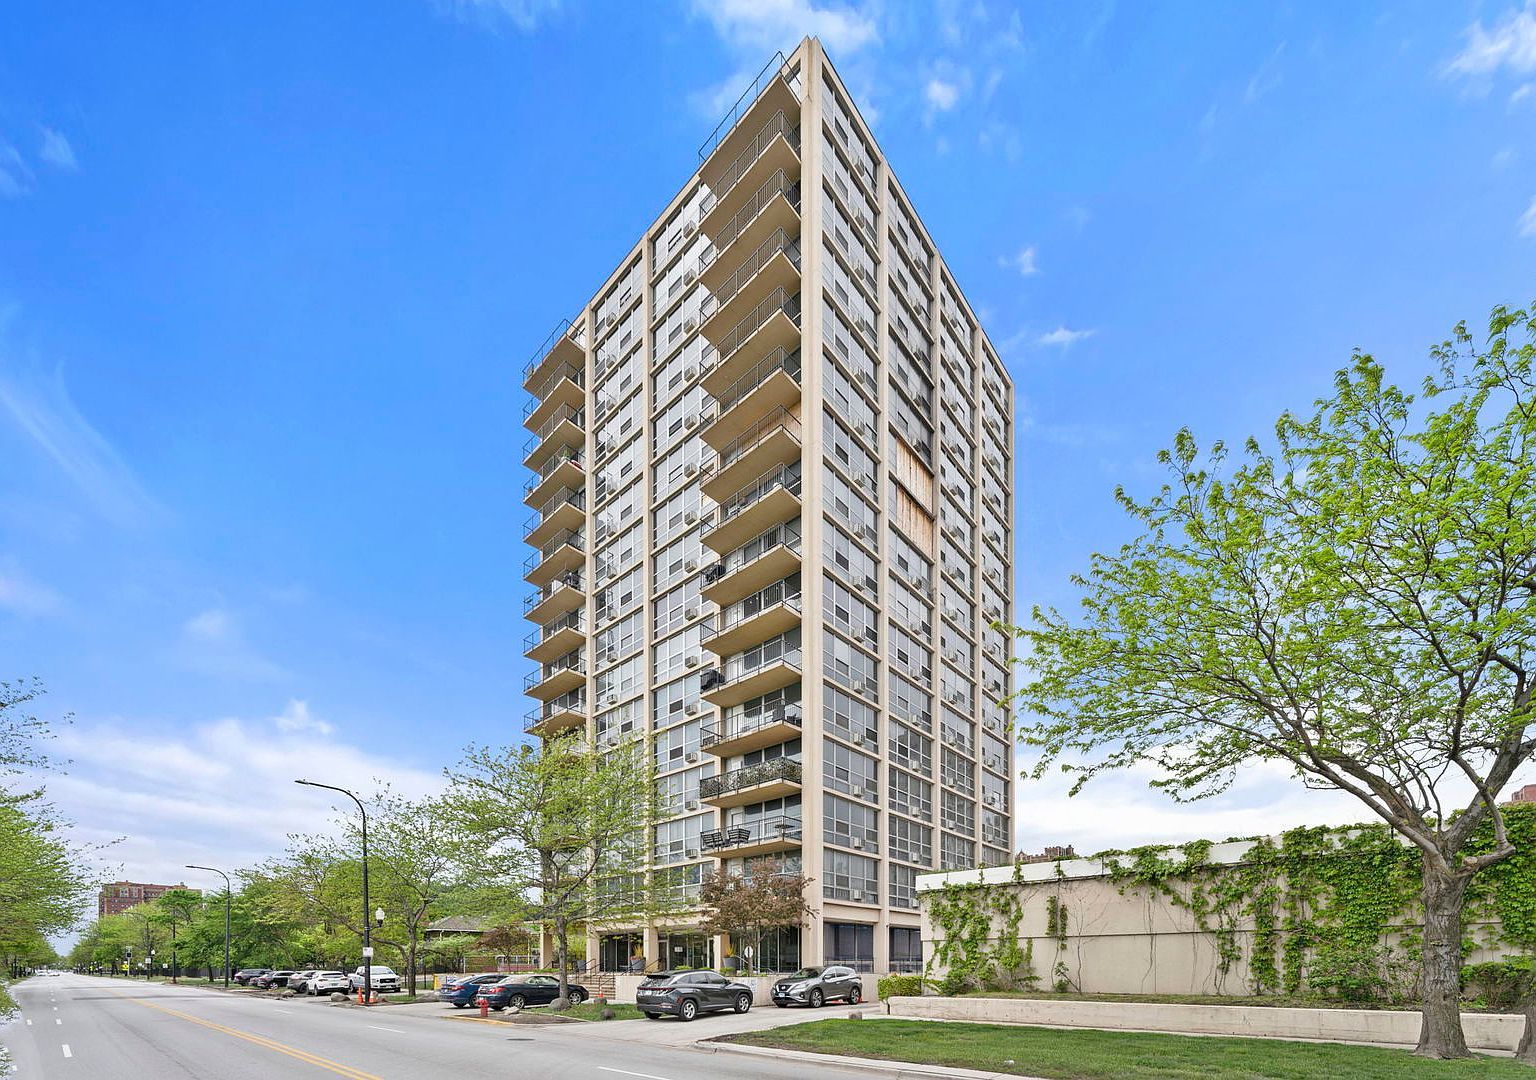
(367,907)
(225,876)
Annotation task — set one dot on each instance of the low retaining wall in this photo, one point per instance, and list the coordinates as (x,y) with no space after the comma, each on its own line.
(1485,1031)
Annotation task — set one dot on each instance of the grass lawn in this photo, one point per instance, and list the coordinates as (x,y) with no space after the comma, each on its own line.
(1112,1055)
(590,1010)
(1274,1001)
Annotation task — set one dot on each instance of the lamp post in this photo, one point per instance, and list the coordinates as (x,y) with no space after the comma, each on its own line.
(367,907)
(225,876)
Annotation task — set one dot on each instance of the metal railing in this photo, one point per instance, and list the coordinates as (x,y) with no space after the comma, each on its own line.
(764,772)
(780,183)
(546,470)
(778,124)
(575,701)
(542,352)
(576,374)
(778,300)
(783,359)
(571,620)
(570,662)
(754,605)
(544,430)
(736,668)
(768,540)
(572,579)
(576,497)
(780,827)
(781,476)
(780,419)
(753,264)
(569,537)
(734,724)
(775,68)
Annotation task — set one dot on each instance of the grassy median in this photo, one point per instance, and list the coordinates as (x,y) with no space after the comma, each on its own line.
(1111,1055)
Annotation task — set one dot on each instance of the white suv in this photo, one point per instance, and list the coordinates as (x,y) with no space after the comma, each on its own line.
(384,979)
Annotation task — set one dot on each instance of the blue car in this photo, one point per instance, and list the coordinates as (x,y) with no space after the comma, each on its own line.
(460,991)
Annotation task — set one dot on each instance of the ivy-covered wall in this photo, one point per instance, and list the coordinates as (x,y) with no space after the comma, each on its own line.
(1324,911)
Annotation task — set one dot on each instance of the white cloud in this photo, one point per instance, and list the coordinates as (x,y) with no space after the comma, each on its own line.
(1266,78)
(1521,93)
(1509,43)
(221,793)
(780,24)
(22,596)
(525,15)
(941,96)
(1023,262)
(15,177)
(57,152)
(213,625)
(213,643)
(1064,337)
(1528,220)
(41,407)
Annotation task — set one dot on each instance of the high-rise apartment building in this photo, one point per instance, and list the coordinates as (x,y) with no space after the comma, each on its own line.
(772,486)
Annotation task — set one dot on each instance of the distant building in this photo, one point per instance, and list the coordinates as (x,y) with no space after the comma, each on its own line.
(1052,853)
(119,896)
(1525,794)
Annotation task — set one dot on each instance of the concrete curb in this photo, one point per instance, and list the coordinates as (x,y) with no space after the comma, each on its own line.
(902,1070)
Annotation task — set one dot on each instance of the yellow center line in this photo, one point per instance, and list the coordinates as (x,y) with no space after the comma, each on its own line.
(261,1040)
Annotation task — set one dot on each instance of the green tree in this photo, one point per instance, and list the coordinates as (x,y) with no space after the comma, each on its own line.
(1357,605)
(174,911)
(752,905)
(563,824)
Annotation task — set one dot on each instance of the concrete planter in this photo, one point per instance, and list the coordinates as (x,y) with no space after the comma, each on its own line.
(1484,1031)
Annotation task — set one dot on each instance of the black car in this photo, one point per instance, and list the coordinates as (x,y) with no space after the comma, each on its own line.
(685,994)
(815,986)
(245,975)
(518,991)
(273,979)
(460,991)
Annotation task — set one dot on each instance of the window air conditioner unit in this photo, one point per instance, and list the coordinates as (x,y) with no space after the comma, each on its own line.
(693,661)
(691,469)
(611,699)
(690,276)
(693,708)
(691,517)
(691,853)
(691,757)
(691,323)
(690,227)
(857,845)
(691,804)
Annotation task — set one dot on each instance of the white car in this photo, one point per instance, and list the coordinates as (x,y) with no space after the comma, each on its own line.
(329,982)
(384,979)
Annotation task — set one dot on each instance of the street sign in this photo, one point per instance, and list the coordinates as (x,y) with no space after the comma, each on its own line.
(368,953)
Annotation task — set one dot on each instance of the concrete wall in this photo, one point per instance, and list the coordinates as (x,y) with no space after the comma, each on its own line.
(1387,1027)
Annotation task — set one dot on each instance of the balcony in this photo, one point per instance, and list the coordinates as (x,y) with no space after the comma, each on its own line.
(772,383)
(558,348)
(753,620)
(735,682)
(775,205)
(553,717)
(567,551)
(739,733)
(772,499)
(758,563)
(557,638)
(773,264)
(766,836)
(564,511)
(563,469)
(755,783)
(564,388)
(743,163)
(563,431)
(774,323)
(559,677)
(565,593)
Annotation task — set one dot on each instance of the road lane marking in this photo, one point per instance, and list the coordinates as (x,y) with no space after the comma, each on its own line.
(29,1023)
(397,1031)
(56,1020)
(260,1040)
(66,1051)
(626,1072)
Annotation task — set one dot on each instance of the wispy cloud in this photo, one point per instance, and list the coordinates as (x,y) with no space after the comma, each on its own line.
(1266,78)
(297,717)
(1063,338)
(780,24)
(1023,262)
(1527,223)
(524,15)
(21,595)
(212,642)
(56,151)
(15,177)
(1509,43)
(40,406)
(941,95)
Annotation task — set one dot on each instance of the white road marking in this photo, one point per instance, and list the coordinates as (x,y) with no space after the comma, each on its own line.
(29,1023)
(397,1031)
(626,1072)
(66,1051)
(56,1020)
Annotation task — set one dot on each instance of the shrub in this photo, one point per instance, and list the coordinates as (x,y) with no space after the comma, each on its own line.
(1502,984)
(955,982)
(900,986)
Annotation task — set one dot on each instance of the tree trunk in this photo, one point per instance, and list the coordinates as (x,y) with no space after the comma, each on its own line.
(560,956)
(1525,1053)
(411,966)
(1440,1034)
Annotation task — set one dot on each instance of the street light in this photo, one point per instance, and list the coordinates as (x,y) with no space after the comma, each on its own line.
(367,923)
(225,876)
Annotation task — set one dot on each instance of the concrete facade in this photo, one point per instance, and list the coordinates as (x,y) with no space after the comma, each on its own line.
(773,529)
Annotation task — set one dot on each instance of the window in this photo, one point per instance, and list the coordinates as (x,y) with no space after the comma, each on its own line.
(849,771)
(911,796)
(849,718)
(903,895)
(849,666)
(910,842)
(848,824)
(959,813)
(847,876)
(955,853)
(911,750)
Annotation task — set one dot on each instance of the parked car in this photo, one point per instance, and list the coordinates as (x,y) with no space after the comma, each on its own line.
(245,975)
(815,986)
(384,980)
(299,980)
(517,991)
(328,982)
(273,978)
(460,991)
(685,994)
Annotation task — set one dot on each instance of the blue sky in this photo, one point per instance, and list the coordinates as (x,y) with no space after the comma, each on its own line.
(269,274)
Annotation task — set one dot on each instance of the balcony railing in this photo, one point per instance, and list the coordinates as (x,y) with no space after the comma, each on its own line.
(778,300)
(541,354)
(547,469)
(573,537)
(755,605)
(576,374)
(775,68)
(571,620)
(778,124)
(753,264)
(782,359)
(764,772)
(752,832)
(573,702)
(780,183)
(547,671)
(560,416)
(751,551)
(782,476)
(573,496)
(733,724)
(571,580)
(737,668)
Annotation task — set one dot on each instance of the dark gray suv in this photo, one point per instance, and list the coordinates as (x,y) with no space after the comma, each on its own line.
(815,986)
(685,994)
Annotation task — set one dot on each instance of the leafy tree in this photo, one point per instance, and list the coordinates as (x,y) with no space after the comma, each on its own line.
(753,904)
(174,911)
(1357,605)
(563,824)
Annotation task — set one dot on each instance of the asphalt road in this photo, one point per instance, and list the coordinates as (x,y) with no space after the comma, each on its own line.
(76,1026)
